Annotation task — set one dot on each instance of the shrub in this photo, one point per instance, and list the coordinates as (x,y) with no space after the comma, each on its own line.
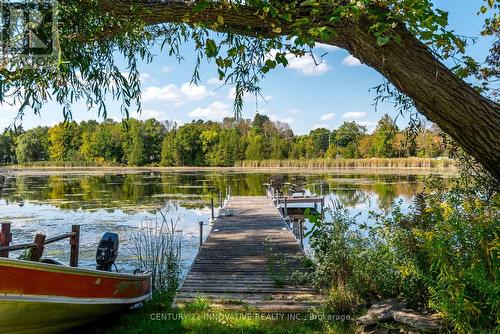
(442,256)
(351,264)
(447,251)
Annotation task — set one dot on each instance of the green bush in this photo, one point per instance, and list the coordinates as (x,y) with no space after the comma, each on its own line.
(447,251)
(351,263)
(442,256)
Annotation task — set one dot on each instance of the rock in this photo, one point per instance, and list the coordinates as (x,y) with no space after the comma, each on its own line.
(406,331)
(426,323)
(373,330)
(382,311)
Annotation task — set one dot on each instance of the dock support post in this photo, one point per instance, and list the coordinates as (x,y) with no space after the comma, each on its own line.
(74,242)
(221,199)
(5,239)
(285,210)
(212,207)
(301,233)
(322,207)
(201,233)
(37,252)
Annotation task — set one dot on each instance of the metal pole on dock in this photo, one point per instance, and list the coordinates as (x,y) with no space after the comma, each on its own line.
(301,232)
(322,207)
(5,239)
(285,210)
(212,207)
(221,199)
(201,233)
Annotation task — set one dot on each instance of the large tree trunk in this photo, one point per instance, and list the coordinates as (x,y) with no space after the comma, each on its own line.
(470,119)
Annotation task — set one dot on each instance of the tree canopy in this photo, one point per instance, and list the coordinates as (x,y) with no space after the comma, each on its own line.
(405,40)
(199,143)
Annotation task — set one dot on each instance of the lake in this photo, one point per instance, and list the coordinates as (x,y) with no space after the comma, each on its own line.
(123,201)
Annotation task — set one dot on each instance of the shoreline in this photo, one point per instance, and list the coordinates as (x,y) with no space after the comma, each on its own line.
(96,170)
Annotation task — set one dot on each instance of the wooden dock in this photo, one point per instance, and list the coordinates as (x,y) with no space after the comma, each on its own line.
(250,260)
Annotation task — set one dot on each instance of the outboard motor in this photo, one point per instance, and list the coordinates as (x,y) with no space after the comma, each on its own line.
(107,251)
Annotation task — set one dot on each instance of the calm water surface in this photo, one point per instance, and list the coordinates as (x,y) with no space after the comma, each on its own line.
(122,203)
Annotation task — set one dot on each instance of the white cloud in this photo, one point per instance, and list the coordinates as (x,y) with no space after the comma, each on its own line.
(214,81)
(194,92)
(231,94)
(294,111)
(166,69)
(327,117)
(307,65)
(353,115)
(351,61)
(7,115)
(318,126)
(144,77)
(172,93)
(369,125)
(167,93)
(327,47)
(275,117)
(215,111)
(149,113)
(9,110)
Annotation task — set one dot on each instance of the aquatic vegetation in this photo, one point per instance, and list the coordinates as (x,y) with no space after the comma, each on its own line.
(157,247)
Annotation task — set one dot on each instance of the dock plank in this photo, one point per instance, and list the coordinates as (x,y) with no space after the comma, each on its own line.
(241,258)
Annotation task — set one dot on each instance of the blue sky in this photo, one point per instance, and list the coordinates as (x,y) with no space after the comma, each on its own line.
(304,95)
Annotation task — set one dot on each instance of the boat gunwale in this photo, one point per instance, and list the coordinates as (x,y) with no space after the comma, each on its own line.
(63,269)
(23,298)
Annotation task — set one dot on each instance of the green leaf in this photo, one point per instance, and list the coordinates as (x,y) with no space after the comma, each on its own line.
(220,20)
(383,40)
(221,74)
(270,63)
(211,48)
(200,6)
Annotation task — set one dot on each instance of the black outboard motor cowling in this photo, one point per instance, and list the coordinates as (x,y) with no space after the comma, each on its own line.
(107,251)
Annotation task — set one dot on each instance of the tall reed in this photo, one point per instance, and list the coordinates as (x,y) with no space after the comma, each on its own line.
(157,247)
(350,163)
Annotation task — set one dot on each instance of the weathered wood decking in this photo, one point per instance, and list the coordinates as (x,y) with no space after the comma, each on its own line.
(248,260)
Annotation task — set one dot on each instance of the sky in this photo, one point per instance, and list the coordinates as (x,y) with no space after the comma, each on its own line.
(303,94)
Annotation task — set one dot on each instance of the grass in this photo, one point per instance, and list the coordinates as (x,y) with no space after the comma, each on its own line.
(408,163)
(73,163)
(156,316)
(350,163)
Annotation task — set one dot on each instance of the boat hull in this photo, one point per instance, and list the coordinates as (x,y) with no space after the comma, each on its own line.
(44,298)
(19,317)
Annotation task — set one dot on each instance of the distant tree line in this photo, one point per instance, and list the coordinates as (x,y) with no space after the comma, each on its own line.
(206,143)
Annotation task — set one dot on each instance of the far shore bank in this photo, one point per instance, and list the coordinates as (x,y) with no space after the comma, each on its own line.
(96,170)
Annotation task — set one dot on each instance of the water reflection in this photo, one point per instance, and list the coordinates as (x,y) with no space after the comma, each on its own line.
(121,202)
(150,191)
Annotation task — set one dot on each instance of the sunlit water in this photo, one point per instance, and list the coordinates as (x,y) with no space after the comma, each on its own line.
(122,203)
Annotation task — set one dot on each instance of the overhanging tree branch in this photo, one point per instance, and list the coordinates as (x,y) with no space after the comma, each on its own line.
(470,119)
